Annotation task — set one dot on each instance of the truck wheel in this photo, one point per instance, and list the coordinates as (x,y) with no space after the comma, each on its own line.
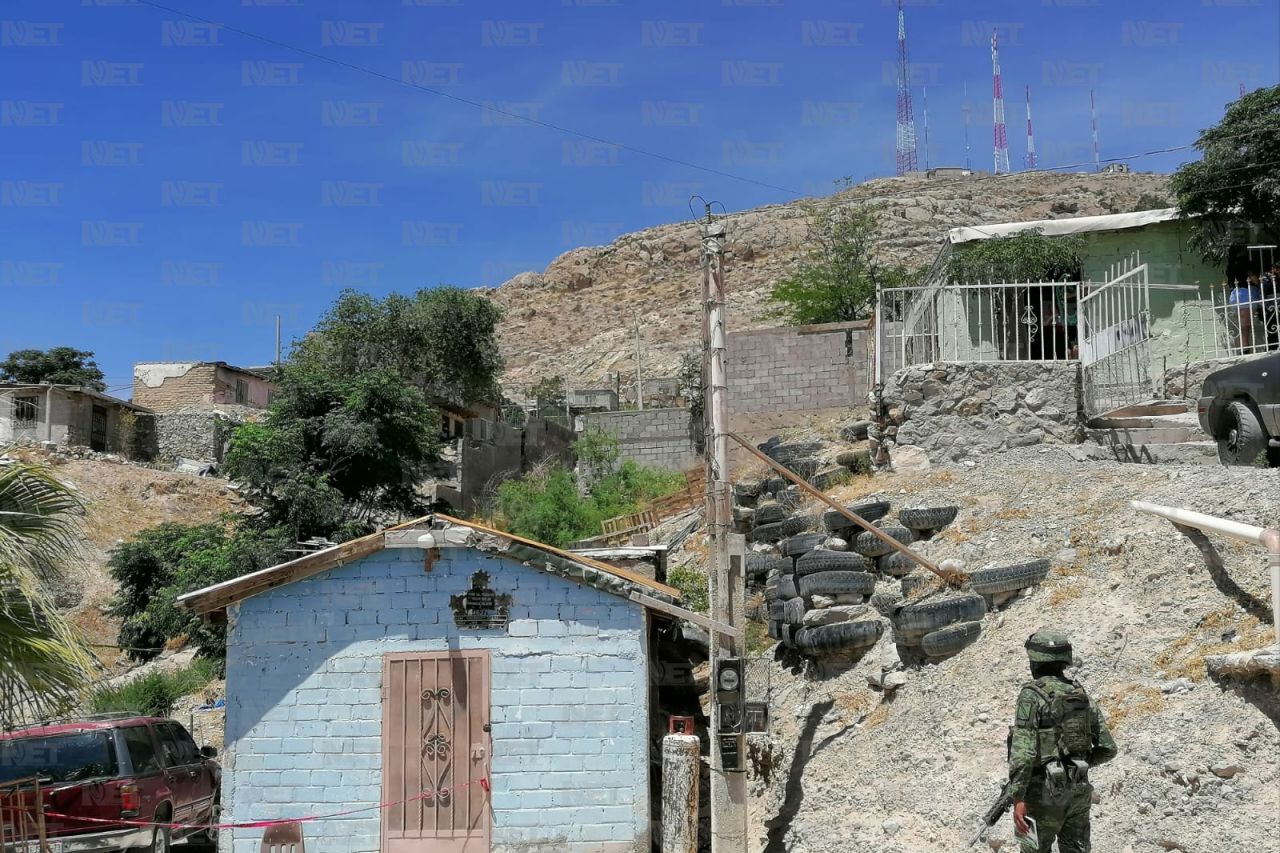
(1244,439)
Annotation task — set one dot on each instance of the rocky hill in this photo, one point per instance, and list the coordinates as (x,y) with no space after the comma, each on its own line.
(577,317)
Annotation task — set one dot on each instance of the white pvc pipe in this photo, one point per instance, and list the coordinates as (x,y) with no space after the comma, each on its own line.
(1269,538)
(1233,529)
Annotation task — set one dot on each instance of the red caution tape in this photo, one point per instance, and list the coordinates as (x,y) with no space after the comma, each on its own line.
(443,793)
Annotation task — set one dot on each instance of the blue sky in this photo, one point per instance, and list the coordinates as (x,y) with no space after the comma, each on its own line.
(170,186)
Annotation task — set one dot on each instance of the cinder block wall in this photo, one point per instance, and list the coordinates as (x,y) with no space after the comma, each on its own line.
(658,438)
(798,369)
(570,765)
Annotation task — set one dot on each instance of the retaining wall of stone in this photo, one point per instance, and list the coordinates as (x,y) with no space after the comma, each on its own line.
(959,411)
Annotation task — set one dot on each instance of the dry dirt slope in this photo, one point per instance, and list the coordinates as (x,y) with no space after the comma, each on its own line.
(577,317)
(120,501)
(1199,767)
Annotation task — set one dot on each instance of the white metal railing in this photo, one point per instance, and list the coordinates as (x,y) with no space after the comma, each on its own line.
(1267,537)
(1240,319)
(977,322)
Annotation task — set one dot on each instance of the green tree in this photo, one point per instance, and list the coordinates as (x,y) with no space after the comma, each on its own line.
(551,395)
(58,365)
(353,428)
(1025,256)
(443,341)
(161,563)
(44,662)
(838,278)
(1237,179)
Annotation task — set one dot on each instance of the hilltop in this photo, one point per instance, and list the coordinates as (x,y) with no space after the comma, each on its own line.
(577,317)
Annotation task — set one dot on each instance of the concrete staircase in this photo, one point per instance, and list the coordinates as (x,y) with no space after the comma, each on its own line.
(1161,431)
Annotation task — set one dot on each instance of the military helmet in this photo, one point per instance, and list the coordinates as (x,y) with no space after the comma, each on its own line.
(1049,647)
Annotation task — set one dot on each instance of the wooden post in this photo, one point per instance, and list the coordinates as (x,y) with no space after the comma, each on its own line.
(681,763)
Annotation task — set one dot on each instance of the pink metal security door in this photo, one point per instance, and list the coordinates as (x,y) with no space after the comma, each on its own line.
(435,746)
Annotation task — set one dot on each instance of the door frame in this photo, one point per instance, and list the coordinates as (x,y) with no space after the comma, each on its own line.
(481,842)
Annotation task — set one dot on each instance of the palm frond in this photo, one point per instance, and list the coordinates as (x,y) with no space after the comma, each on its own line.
(44,662)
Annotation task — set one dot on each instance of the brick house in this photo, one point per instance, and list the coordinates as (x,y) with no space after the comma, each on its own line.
(168,387)
(442,655)
(69,415)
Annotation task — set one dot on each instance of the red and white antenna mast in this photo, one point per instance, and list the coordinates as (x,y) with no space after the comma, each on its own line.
(1093,113)
(906,160)
(925,93)
(1031,137)
(1000,132)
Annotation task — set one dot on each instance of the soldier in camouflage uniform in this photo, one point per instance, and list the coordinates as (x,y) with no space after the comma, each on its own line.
(1058,734)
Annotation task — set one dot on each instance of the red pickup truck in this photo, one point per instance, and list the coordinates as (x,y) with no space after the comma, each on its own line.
(109,768)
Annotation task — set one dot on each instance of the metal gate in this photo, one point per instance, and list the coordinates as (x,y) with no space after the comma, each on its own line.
(98,429)
(1115,340)
(435,748)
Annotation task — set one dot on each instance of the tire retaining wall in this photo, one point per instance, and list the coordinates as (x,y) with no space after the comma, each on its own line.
(958,411)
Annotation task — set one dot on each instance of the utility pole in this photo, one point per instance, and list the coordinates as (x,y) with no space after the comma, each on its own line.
(277,340)
(639,372)
(725,578)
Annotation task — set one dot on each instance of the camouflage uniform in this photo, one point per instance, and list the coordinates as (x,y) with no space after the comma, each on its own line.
(1065,817)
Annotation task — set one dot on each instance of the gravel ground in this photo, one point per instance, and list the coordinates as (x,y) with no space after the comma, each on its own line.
(848,768)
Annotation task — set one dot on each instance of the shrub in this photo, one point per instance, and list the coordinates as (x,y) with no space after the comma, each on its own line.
(163,562)
(548,506)
(693,588)
(155,693)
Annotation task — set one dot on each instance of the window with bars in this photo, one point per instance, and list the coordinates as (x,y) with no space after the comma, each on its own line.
(26,412)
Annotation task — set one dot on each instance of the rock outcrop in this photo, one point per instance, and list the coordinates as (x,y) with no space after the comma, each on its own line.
(577,317)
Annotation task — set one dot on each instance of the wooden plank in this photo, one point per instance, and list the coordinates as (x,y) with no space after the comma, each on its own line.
(687,615)
(955,578)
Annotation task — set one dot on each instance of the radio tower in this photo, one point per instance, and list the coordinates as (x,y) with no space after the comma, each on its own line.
(1031,137)
(1093,114)
(1001,132)
(965,110)
(1242,88)
(906,124)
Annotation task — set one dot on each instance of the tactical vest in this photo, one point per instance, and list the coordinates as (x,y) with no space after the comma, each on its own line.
(1063,728)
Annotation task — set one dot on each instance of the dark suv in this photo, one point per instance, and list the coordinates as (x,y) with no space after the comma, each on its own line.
(1239,407)
(109,768)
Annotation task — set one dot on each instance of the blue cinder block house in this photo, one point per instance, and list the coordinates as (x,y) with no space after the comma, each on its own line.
(446,688)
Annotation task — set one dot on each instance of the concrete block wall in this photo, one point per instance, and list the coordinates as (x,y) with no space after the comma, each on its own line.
(569,702)
(658,438)
(168,387)
(798,369)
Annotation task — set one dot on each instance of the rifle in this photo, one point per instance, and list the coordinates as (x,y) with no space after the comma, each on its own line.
(992,815)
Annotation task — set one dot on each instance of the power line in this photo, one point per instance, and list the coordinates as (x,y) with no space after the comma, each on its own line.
(622,146)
